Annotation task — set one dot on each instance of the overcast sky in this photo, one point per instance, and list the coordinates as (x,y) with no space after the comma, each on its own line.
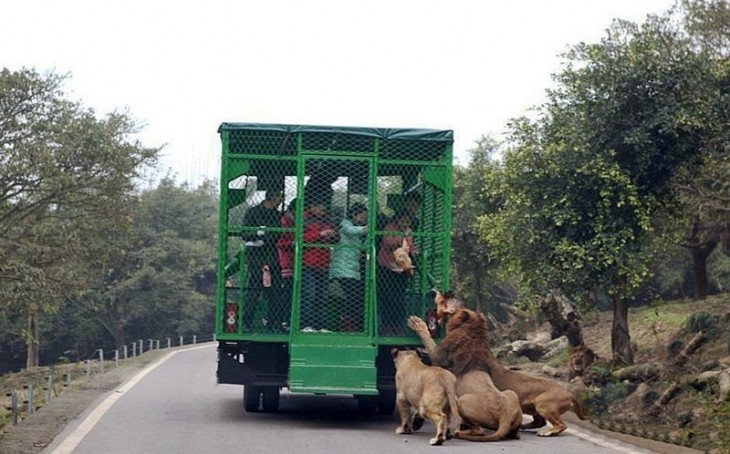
(183,67)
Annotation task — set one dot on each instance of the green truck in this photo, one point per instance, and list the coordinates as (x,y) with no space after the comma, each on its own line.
(329,238)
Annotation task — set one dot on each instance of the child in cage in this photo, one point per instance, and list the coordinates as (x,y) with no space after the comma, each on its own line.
(345,269)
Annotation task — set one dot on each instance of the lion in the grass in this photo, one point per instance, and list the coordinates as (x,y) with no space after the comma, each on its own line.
(466,348)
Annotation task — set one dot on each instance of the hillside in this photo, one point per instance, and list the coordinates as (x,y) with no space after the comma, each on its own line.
(627,400)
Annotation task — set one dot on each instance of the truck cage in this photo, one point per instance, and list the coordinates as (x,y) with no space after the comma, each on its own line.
(319,312)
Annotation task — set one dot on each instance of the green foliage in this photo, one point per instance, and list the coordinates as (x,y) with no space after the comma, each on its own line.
(581,184)
(700,321)
(666,319)
(600,373)
(158,280)
(616,391)
(475,266)
(63,172)
(560,359)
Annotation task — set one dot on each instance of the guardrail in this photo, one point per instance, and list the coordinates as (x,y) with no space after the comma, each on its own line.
(47,383)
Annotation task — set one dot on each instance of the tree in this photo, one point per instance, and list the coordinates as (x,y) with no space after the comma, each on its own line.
(61,169)
(569,222)
(156,275)
(583,180)
(474,267)
(701,192)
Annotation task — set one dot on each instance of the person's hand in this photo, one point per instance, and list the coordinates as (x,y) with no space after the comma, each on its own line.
(327,233)
(261,231)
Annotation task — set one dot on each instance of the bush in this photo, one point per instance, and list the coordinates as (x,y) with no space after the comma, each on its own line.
(702,321)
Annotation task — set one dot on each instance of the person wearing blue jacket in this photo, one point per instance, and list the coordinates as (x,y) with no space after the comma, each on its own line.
(345,268)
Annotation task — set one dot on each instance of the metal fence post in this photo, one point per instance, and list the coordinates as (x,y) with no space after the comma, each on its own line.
(125,351)
(134,349)
(49,388)
(157,344)
(181,341)
(101,359)
(14,404)
(150,344)
(141,346)
(168,342)
(194,339)
(116,358)
(31,405)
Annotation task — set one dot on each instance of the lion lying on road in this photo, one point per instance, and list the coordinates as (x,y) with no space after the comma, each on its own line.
(466,348)
(430,390)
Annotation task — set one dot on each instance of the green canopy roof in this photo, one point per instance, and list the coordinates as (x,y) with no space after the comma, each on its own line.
(434,135)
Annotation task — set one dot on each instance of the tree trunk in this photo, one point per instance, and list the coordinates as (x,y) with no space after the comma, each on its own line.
(699,266)
(33,356)
(478,285)
(620,338)
(700,250)
(553,312)
(119,338)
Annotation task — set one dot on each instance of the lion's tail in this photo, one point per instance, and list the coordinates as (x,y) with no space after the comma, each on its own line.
(577,409)
(491,437)
(504,428)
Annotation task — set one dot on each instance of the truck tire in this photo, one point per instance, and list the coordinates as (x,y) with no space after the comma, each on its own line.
(386,402)
(270,400)
(367,404)
(251,398)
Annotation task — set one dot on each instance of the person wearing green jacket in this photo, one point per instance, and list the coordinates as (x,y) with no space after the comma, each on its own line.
(345,268)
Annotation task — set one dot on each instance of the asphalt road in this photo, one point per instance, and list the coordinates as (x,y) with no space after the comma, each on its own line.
(176,407)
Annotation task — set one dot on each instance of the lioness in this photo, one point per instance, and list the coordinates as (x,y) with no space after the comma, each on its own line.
(466,348)
(430,390)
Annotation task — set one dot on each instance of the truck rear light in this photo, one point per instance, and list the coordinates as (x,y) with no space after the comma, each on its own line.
(231,318)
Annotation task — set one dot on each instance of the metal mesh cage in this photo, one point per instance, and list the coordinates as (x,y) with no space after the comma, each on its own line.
(331,230)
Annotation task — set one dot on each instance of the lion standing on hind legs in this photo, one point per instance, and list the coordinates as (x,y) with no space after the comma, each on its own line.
(466,348)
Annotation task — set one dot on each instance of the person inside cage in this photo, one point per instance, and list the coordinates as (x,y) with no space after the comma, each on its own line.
(285,249)
(318,233)
(345,269)
(261,257)
(412,205)
(394,272)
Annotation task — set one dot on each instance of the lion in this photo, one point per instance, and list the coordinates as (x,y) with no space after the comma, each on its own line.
(430,390)
(482,405)
(466,348)
(580,359)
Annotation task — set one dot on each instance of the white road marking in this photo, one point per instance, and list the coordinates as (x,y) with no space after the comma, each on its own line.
(603,442)
(75,437)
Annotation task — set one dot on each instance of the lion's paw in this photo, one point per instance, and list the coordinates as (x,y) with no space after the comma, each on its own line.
(416,324)
(437,440)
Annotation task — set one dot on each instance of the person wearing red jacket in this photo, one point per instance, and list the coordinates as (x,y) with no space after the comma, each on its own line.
(315,265)
(285,250)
